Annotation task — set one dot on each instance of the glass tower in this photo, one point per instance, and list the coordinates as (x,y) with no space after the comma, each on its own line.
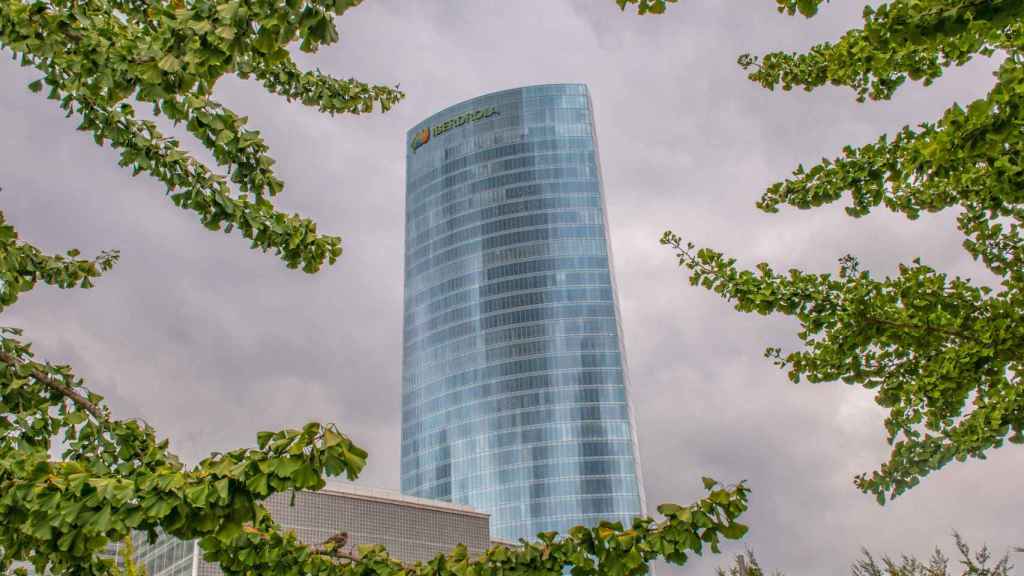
(514,386)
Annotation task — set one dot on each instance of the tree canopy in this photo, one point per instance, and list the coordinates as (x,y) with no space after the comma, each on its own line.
(99,60)
(944,355)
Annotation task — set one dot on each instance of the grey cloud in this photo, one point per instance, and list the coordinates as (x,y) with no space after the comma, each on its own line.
(212,342)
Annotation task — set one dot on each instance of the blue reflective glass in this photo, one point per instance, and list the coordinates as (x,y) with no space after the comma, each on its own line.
(514,390)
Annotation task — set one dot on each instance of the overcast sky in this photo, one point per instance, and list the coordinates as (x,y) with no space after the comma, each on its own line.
(211,342)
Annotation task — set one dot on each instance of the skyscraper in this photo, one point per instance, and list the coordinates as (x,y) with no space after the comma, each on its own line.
(514,388)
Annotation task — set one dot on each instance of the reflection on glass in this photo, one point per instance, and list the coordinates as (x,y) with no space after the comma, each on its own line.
(514,384)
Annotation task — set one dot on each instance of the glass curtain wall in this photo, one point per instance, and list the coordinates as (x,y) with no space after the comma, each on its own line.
(514,382)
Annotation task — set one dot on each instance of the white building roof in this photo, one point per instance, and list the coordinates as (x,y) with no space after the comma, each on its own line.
(352,490)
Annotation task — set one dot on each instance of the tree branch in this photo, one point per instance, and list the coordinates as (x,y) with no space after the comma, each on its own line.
(339,554)
(64,389)
(913,327)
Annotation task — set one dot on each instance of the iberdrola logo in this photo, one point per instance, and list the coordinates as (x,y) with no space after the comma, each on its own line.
(421,138)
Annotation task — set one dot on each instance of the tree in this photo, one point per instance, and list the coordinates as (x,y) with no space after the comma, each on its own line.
(976,564)
(944,355)
(100,59)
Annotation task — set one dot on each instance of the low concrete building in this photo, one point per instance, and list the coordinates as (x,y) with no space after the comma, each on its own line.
(410,528)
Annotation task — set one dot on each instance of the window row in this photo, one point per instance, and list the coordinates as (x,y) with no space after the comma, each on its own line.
(602,309)
(460,390)
(485,279)
(440,488)
(574,263)
(416,181)
(415,355)
(458,268)
(563,328)
(485,221)
(580,505)
(473,424)
(461,412)
(425,336)
(452,299)
(512,253)
(578,115)
(591,340)
(437,228)
(493,440)
(477,173)
(432,365)
(454,202)
(517,439)
(479,242)
(563,247)
(581,171)
(584,157)
(473,282)
(481,309)
(521,455)
(555,296)
(478,225)
(493,496)
(501,197)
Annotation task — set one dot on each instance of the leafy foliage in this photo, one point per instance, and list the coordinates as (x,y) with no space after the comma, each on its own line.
(115,477)
(100,59)
(24,265)
(945,355)
(646,6)
(976,564)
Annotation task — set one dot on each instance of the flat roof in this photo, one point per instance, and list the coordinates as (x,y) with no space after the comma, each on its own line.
(354,491)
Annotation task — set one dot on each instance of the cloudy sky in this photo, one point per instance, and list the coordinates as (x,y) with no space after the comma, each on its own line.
(211,342)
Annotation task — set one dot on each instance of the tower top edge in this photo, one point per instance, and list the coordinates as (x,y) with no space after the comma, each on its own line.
(449,109)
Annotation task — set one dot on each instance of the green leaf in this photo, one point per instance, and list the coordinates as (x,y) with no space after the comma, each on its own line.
(229,530)
(286,467)
(169,63)
(669,509)
(332,438)
(223,488)
(807,8)
(198,494)
(262,438)
(734,531)
(75,418)
(101,521)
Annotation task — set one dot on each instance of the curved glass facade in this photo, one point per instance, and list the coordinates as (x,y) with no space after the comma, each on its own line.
(514,391)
